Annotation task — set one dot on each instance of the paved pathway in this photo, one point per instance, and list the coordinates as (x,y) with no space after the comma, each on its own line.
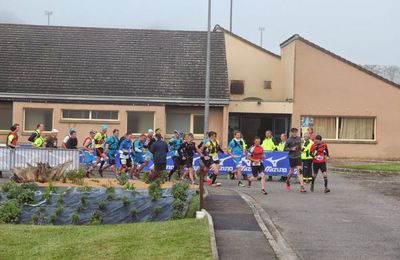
(354,221)
(237,233)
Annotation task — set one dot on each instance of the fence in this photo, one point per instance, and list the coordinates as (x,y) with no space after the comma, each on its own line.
(22,156)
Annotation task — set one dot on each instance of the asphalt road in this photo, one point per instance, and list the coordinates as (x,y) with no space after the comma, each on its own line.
(357,220)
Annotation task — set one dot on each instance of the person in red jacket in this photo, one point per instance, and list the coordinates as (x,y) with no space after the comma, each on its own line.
(320,153)
(255,156)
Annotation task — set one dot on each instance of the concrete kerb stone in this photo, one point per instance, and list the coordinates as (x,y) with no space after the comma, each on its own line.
(213,241)
(281,247)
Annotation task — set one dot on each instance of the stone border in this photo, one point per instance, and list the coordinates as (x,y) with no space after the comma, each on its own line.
(213,242)
(281,247)
(345,170)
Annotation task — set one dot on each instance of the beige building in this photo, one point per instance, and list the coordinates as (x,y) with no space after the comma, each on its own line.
(134,80)
(356,111)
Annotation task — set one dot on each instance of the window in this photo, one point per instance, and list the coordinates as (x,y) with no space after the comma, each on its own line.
(70,114)
(356,128)
(188,123)
(341,128)
(178,121)
(34,116)
(237,87)
(6,115)
(198,124)
(105,115)
(140,122)
(76,114)
(267,84)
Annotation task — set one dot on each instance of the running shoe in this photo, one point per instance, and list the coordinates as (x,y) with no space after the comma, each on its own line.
(101,172)
(219,184)
(263,192)
(248,183)
(216,184)
(327,190)
(312,187)
(240,184)
(302,190)
(287,184)
(229,176)
(87,174)
(208,181)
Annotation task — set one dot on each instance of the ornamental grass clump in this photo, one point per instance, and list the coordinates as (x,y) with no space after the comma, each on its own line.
(10,212)
(155,190)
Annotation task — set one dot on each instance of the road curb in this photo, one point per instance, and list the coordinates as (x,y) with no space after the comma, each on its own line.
(213,241)
(337,169)
(281,247)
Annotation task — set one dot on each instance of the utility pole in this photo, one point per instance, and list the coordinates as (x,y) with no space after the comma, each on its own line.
(262,29)
(207,97)
(231,15)
(48,13)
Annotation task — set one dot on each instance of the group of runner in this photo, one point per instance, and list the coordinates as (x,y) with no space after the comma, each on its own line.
(308,157)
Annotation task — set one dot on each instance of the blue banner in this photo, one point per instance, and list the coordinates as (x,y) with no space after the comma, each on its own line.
(275,163)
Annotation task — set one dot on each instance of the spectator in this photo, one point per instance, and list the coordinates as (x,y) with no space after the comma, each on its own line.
(159,149)
(12,137)
(39,141)
(36,133)
(312,134)
(72,142)
(51,140)
(64,143)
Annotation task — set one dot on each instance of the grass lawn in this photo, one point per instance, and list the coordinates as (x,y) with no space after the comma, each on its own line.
(390,167)
(180,239)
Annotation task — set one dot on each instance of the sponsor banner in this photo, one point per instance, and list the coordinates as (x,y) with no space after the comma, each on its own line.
(275,163)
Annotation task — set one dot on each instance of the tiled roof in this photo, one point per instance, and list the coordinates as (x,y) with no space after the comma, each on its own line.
(128,63)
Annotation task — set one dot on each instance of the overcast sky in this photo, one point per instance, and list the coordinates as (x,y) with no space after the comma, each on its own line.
(363,31)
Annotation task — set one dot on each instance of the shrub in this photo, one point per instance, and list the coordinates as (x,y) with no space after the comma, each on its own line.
(8,185)
(110,189)
(157,210)
(125,201)
(178,205)
(53,218)
(133,212)
(30,186)
(52,188)
(193,207)
(34,219)
(41,211)
(123,179)
(179,190)
(74,218)
(20,193)
(84,200)
(76,176)
(102,205)
(1,197)
(110,196)
(131,187)
(46,194)
(60,200)
(176,214)
(155,190)
(145,177)
(10,212)
(85,188)
(59,210)
(96,218)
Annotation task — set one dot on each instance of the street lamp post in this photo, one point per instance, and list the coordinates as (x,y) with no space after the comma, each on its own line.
(48,13)
(207,96)
(231,17)
(262,29)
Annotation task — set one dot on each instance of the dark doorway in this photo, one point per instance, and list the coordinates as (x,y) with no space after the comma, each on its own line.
(252,124)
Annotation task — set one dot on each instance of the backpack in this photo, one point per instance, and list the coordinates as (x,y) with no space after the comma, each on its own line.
(32,138)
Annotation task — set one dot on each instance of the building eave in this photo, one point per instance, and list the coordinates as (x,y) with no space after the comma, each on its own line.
(90,99)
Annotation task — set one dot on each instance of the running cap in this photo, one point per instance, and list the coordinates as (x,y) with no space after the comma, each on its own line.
(158,131)
(150,131)
(318,137)
(103,127)
(176,131)
(54,130)
(92,132)
(190,135)
(71,129)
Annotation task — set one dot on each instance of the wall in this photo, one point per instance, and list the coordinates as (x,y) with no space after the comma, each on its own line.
(325,85)
(254,66)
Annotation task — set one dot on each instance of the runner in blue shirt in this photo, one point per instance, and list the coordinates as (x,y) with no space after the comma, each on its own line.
(111,147)
(174,145)
(139,161)
(125,153)
(237,151)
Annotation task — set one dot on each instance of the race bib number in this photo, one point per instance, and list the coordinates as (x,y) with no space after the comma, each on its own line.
(215,157)
(256,163)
